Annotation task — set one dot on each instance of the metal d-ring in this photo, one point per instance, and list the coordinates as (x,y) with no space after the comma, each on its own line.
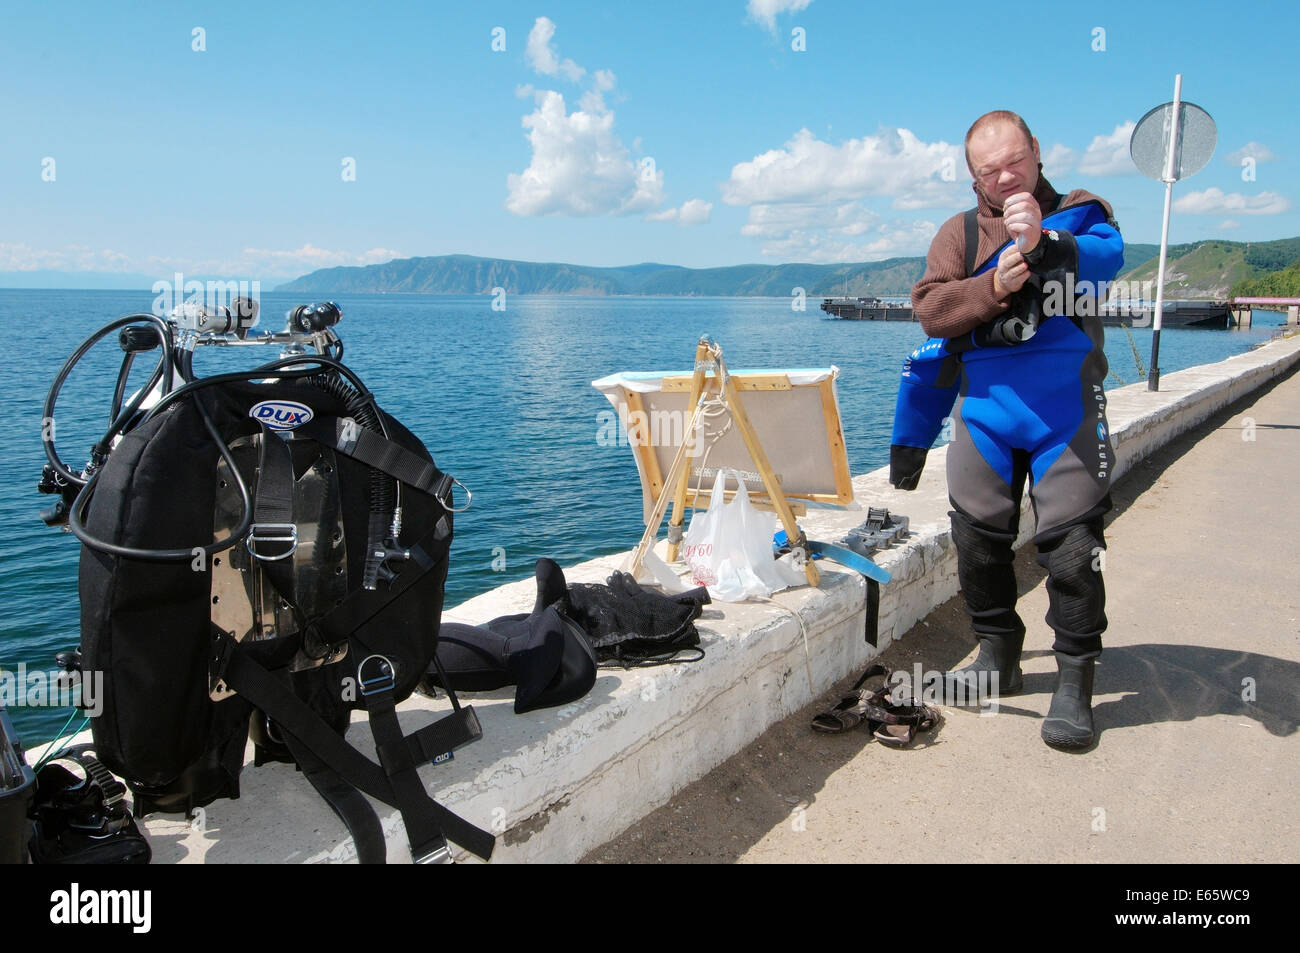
(380,683)
(469,497)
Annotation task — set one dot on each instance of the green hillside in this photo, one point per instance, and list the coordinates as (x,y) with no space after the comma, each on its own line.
(1211,269)
(1284,283)
(466,274)
(1208,269)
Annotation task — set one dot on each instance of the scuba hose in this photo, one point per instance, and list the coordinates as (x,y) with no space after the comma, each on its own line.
(141,332)
(325,372)
(160,376)
(385,502)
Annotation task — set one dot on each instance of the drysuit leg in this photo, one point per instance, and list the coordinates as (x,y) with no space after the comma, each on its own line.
(1071,472)
(1076,593)
(985,522)
(986,571)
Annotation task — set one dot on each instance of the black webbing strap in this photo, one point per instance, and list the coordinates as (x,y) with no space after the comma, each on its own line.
(448,733)
(272,538)
(361,605)
(295,717)
(972,239)
(873,611)
(428,845)
(349,804)
(353,440)
(273,509)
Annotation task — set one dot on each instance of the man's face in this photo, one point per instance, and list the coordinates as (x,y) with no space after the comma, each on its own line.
(1003,163)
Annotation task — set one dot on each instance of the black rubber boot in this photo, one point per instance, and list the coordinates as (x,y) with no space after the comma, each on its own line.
(972,685)
(1069,720)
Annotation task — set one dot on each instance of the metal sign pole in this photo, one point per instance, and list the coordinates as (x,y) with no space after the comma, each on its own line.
(1170,176)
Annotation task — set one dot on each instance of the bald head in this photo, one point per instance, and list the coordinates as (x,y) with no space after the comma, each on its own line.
(988,125)
(1002,157)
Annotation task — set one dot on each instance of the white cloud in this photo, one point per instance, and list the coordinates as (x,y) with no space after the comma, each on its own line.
(935,194)
(765,12)
(1109,155)
(251,261)
(593,100)
(695,212)
(833,233)
(1214,201)
(579,165)
(692,212)
(1254,150)
(892,162)
(884,240)
(309,256)
(805,199)
(542,55)
(1059,160)
(780,221)
(22,257)
(1228,223)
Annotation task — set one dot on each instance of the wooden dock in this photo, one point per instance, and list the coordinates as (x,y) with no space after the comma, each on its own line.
(867,309)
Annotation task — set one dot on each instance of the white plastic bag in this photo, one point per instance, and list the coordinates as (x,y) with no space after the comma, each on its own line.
(729,548)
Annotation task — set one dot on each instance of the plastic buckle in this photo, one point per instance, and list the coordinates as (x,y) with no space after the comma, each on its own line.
(383,681)
(435,851)
(376,569)
(272,533)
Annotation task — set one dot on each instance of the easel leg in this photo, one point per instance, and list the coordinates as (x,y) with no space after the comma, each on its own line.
(774,492)
(652,527)
(704,354)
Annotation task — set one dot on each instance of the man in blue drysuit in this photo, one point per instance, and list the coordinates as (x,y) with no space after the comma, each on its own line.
(1015,330)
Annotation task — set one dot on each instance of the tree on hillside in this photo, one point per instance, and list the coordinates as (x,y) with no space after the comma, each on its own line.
(1276,284)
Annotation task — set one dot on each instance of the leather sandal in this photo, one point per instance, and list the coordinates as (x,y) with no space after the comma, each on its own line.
(895,724)
(863,704)
(903,721)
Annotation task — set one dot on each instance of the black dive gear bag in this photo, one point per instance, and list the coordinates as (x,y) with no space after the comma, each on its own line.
(329,600)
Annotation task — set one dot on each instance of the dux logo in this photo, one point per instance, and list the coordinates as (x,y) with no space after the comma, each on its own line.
(281,414)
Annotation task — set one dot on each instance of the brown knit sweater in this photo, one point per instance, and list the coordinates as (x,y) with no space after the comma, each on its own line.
(946,302)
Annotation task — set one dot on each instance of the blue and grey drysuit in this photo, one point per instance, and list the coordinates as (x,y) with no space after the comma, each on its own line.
(1030,409)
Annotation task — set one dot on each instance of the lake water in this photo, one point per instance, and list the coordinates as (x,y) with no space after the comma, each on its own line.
(502,399)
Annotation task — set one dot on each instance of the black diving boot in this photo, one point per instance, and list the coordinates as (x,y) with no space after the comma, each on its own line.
(973,685)
(1069,719)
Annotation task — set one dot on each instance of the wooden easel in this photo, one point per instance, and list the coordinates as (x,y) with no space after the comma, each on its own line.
(708,356)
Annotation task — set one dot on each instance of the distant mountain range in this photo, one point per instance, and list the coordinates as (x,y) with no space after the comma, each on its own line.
(109,280)
(1205,269)
(466,274)
(1200,269)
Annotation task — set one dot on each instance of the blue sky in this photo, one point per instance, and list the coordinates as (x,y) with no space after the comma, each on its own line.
(693,134)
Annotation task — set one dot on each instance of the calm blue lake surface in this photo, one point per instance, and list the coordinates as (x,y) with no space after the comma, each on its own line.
(502,400)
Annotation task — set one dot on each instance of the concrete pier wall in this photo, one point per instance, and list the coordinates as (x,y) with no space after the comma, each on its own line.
(557,783)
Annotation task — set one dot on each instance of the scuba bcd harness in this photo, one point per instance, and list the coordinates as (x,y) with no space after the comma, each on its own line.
(268,549)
